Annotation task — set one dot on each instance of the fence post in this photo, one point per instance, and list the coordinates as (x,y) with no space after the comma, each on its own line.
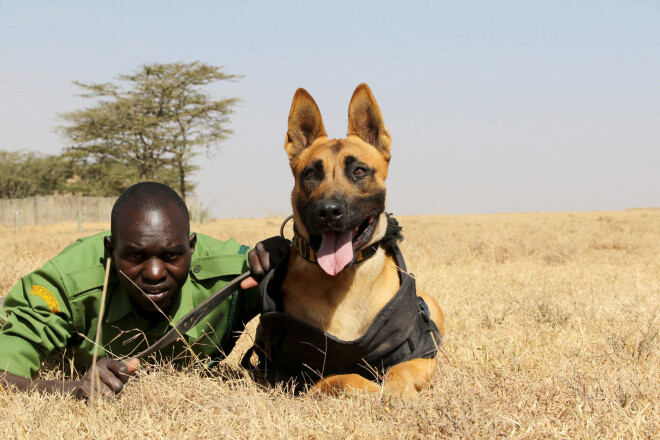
(80,221)
(35,211)
(205,216)
(17,221)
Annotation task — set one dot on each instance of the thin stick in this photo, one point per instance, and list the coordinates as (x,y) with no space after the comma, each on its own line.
(95,378)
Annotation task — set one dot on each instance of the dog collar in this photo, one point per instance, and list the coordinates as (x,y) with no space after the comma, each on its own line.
(307,253)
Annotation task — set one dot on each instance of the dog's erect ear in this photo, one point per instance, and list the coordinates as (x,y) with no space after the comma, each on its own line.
(305,124)
(366,121)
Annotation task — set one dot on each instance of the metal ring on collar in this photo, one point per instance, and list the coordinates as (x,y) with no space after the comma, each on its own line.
(283,224)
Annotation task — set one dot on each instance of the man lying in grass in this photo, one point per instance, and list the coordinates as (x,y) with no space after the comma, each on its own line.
(160,271)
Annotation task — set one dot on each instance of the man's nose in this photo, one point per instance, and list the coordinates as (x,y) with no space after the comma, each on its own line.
(154,271)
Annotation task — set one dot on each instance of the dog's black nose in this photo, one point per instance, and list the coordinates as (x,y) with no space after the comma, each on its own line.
(330,210)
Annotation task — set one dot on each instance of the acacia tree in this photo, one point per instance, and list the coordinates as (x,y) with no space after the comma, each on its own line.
(156,120)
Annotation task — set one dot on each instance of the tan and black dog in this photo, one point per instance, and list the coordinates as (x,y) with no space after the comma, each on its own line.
(336,318)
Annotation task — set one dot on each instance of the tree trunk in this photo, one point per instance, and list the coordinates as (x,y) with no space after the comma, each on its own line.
(182,179)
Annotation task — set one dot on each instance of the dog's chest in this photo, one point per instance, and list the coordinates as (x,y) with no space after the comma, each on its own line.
(344,305)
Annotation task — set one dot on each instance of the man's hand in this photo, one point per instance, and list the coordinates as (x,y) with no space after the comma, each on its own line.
(107,379)
(265,256)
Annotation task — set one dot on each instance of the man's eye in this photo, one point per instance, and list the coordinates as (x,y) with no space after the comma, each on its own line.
(171,256)
(359,171)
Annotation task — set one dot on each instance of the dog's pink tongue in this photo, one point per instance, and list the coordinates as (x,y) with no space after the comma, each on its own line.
(336,251)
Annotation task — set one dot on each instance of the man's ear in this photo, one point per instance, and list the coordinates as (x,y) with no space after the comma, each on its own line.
(108,245)
(305,124)
(366,121)
(192,241)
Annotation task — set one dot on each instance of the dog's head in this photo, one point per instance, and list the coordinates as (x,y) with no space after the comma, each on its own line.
(339,194)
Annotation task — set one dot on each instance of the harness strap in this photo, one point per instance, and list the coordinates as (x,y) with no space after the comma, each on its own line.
(293,351)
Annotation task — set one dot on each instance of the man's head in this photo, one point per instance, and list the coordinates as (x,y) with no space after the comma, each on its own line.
(150,244)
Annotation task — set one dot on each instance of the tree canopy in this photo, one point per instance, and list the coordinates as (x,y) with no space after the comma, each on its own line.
(150,124)
(27,174)
(24,174)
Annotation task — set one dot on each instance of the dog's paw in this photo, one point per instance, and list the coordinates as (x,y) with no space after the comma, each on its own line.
(324,387)
(344,383)
(399,393)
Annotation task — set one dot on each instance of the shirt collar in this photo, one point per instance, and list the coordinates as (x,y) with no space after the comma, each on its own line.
(120,306)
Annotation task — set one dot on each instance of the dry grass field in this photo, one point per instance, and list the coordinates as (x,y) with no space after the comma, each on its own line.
(552,332)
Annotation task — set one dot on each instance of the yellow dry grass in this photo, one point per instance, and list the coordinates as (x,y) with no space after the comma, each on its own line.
(552,332)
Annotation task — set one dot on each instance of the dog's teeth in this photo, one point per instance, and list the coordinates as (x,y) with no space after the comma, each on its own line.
(371,219)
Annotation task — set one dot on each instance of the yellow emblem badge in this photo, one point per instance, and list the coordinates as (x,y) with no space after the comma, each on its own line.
(48,296)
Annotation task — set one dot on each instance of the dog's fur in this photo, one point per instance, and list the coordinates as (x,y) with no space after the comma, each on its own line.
(347,176)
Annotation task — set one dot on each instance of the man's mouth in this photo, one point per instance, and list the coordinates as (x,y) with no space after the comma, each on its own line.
(336,248)
(157,295)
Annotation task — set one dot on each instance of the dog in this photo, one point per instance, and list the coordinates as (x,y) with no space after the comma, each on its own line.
(341,313)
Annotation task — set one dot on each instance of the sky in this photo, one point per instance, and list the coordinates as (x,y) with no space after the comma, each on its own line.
(508,106)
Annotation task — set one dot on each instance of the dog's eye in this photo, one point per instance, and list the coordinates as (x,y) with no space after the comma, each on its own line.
(359,171)
(310,173)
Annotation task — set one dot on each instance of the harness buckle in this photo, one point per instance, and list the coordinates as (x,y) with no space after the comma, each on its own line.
(424,309)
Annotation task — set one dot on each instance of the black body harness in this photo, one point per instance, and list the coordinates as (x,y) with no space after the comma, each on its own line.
(294,352)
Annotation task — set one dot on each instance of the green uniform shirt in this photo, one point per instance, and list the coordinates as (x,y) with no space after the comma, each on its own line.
(57,307)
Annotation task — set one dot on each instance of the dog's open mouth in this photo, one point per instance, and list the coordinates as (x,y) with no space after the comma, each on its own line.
(336,248)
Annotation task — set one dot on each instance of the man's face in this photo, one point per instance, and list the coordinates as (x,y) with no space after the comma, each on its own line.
(152,251)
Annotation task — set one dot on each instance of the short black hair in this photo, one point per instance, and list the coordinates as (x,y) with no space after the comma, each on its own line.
(147,196)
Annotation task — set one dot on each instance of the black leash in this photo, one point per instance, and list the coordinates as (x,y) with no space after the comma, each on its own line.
(194,316)
(198,313)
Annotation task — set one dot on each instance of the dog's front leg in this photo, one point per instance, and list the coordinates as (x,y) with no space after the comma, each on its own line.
(334,385)
(404,380)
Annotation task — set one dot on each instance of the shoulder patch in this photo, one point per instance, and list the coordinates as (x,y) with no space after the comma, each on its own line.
(47,296)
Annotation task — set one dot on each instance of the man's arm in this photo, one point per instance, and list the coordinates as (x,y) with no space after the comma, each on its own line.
(40,321)
(106,380)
